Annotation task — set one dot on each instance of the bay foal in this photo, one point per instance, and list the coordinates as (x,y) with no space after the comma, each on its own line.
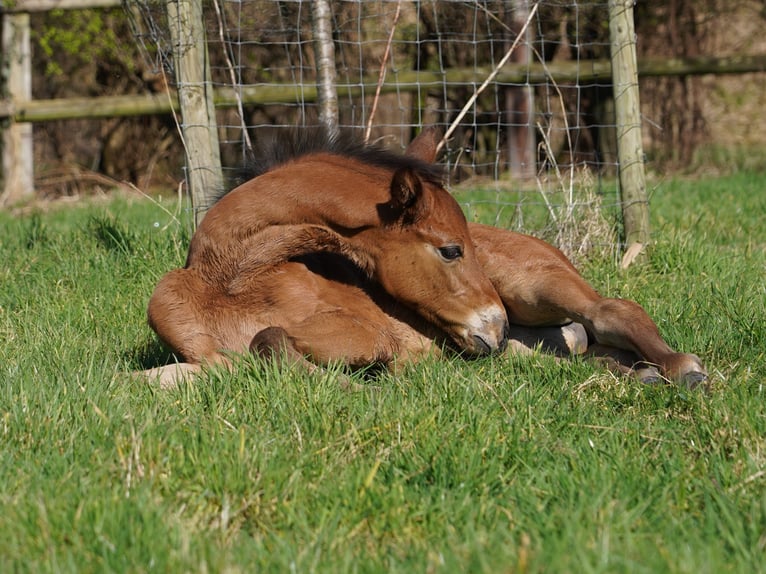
(338,251)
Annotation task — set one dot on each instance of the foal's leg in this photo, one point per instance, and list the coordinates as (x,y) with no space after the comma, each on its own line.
(624,324)
(317,321)
(340,337)
(181,305)
(539,286)
(174,314)
(276,343)
(563,341)
(572,339)
(276,244)
(624,362)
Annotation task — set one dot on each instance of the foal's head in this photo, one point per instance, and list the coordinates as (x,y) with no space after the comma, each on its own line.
(426,258)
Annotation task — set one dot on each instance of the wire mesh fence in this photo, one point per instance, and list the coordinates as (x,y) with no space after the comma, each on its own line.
(523,88)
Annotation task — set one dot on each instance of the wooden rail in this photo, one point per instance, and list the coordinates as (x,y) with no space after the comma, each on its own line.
(31,6)
(559,72)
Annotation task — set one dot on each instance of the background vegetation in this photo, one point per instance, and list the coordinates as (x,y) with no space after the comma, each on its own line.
(501,464)
(687,120)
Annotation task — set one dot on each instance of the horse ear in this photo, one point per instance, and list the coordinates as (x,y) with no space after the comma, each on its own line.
(425,145)
(406,191)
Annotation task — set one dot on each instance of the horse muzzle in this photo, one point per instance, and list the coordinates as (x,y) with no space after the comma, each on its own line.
(486,332)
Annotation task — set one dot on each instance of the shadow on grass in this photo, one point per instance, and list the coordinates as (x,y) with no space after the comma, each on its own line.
(152,353)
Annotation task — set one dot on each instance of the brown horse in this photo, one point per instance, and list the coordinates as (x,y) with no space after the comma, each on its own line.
(338,251)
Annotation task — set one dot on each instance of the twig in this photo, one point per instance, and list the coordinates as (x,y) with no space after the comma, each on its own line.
(472,100)
(748,480)
(233,76)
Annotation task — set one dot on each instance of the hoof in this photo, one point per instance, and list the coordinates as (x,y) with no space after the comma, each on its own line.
(649,376)
(695,380)
(686,370)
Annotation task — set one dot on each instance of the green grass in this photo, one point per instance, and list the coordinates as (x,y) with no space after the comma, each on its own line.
(502,464)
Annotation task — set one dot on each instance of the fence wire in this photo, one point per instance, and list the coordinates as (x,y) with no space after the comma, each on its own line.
(402,65)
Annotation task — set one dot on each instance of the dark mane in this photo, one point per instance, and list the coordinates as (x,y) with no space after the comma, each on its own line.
(279,147)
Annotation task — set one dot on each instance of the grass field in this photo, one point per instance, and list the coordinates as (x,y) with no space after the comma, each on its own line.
(498,465)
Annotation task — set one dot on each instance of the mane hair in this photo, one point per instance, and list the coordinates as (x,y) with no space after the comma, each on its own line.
(280,147)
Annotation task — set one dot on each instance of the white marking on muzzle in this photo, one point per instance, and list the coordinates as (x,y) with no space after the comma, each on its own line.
(489,325)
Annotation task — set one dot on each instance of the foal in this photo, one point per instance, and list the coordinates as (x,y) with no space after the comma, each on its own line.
(337,251)
(388,215)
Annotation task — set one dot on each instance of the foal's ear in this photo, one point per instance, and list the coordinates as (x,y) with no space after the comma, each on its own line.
(406,192)
(425,146)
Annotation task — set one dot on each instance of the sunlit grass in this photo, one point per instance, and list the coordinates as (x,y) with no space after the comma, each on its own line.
(500,464)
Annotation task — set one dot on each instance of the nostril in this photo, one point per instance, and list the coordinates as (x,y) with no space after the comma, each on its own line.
(506,336)
(481,345)
(504,341)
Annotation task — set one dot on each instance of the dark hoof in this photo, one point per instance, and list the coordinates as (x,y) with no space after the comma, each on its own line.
(694,380)
(649,376)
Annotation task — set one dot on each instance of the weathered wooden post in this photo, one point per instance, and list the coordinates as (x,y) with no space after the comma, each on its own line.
(16,144)
(630,153)
(519,100)
(327,95)
(204,174)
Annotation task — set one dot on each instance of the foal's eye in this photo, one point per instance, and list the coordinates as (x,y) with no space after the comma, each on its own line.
(451,252)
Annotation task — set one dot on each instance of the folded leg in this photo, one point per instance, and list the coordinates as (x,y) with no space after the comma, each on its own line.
(540,287)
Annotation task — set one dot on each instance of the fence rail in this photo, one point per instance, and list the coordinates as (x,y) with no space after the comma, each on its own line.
(46,110)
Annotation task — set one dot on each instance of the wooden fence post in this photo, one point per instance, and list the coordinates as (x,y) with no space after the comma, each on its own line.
(199,128)
(16,144)
(630,153)
(519,100)
(324,47)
